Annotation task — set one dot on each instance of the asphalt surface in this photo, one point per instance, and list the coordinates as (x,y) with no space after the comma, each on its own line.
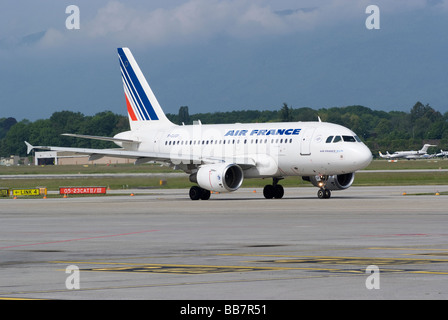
(158,244)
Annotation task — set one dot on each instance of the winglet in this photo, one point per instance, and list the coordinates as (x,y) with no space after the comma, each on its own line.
(29,147)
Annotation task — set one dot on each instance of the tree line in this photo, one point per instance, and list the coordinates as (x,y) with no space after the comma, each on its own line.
(47,132)
(380,130)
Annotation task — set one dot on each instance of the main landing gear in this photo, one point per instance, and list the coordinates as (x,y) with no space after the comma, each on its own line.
(197,193)
(274,190)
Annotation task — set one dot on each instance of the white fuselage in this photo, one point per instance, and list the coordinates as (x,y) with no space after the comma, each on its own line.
(408,154)
(278,149)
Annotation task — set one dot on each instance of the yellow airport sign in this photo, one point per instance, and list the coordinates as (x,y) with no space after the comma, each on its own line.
(26,192)
(4,192)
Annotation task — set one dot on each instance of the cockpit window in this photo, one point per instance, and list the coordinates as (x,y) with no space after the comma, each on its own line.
(343,138)
(349,139)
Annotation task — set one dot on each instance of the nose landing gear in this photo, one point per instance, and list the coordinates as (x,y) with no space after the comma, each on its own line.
(323,192)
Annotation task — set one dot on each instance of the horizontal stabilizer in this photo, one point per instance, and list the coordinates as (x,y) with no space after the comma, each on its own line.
(29,147)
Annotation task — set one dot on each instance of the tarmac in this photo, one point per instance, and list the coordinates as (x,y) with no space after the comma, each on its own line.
(363,243)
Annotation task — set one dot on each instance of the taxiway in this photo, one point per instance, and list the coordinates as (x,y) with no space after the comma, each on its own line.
(159,244)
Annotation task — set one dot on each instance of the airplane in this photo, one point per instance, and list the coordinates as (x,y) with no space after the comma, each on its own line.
(442,154)
(219,157)
(422,153)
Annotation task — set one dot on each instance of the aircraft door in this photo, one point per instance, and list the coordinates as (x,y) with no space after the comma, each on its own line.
(305,141)
(157,142)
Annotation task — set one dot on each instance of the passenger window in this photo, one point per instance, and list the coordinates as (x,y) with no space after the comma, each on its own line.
(337,139)
(329,139)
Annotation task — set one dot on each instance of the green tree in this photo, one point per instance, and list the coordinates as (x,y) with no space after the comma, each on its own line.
(184,116)
(5,125)
(304,114)
(285,113)
(14,140)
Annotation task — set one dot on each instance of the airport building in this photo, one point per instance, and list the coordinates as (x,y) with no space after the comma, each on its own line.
(63,158)
(13,161)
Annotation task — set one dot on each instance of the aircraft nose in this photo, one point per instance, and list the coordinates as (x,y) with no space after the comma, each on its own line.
(364,156)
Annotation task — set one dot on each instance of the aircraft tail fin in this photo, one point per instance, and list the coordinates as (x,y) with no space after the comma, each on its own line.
(386,156)
(142,105)
(425,148)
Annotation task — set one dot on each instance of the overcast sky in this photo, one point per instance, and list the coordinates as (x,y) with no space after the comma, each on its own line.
(223,55)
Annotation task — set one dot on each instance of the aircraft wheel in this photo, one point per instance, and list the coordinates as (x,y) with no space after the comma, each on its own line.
(269,191)
(205,194)
(195,193)
(278,191)
(320,193)
(324,194)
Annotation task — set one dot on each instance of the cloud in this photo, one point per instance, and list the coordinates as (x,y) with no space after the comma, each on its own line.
(123,23)
(192,20)
(204,19)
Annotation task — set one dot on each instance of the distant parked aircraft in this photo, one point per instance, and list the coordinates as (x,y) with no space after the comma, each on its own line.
(422,153)
(442,154)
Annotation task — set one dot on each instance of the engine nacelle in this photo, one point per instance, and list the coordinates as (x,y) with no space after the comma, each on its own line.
(221,177)
(336,182)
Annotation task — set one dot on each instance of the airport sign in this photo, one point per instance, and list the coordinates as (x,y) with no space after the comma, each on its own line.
(26,192)
(82,190)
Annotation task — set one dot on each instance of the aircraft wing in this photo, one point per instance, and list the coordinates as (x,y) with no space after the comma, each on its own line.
(117,152)
(142,156)
(99,138)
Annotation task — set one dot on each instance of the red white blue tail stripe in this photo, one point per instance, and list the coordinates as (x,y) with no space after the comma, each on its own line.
(141,103)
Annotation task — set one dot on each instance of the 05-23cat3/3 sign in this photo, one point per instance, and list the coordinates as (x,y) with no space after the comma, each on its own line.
(82,190)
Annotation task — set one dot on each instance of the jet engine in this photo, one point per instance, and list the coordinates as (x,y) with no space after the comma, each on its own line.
(220,177)
(336,182)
